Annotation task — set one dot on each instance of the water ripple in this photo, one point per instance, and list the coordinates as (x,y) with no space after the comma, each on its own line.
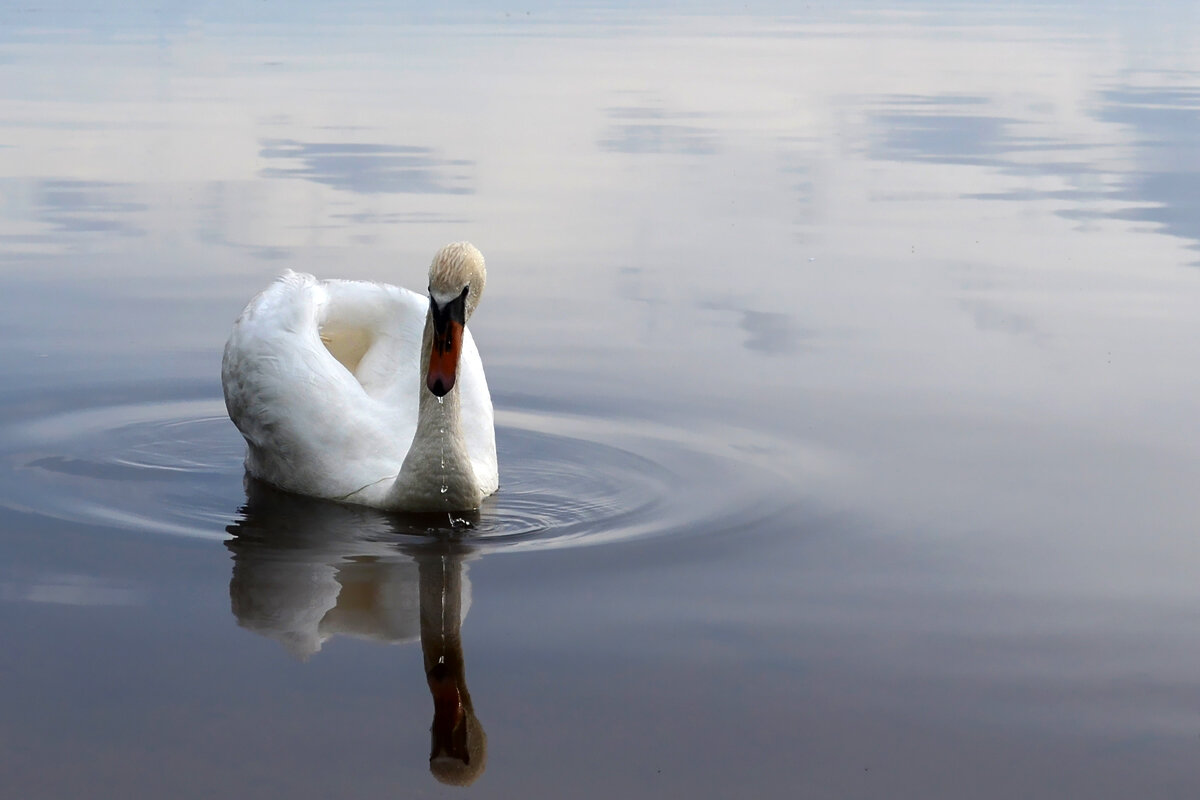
(175,468)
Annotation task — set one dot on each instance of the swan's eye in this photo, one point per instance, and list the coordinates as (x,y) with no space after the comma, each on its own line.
(466,289)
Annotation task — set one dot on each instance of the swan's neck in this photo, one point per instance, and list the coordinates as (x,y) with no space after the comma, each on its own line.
(437,474)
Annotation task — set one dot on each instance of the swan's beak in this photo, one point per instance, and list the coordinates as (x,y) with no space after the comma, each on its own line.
(448,322)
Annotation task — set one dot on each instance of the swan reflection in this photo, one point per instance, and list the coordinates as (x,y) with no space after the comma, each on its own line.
(307,570)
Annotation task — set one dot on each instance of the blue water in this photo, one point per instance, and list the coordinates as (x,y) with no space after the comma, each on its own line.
(843,365)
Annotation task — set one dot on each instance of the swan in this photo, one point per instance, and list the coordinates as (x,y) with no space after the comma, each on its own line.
(367,393)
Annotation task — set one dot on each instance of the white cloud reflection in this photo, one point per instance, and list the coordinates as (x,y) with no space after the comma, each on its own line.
(195,108)
(68,589)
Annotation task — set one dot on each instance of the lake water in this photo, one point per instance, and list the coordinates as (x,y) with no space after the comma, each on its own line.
(844,360)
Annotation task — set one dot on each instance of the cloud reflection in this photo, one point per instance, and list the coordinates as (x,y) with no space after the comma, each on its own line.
(990,316)
(1076,178)
(770,333)
(1165,190)
(67,590)
(69,206)
(939,129)
(368,168)
(1165,120)
(652,129)
(401,218)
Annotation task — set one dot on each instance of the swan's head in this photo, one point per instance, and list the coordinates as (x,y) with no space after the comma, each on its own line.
(456,280)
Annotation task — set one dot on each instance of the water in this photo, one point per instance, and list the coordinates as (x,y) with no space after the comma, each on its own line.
(842,360)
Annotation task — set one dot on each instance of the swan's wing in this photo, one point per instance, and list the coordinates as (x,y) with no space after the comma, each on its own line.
(382,325)
(310,425)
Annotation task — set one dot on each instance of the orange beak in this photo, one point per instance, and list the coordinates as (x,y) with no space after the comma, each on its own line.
(443,359)
(448,322)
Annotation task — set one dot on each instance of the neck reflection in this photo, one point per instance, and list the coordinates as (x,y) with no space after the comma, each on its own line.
(306,570)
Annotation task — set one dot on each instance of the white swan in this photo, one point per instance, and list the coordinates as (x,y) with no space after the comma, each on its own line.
(367,393)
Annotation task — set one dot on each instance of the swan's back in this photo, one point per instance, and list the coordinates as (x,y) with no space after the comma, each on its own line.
(321,378)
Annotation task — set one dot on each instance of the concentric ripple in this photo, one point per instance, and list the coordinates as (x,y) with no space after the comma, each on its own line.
(176,468)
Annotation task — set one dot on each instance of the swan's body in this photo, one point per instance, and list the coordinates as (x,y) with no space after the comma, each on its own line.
(332,385)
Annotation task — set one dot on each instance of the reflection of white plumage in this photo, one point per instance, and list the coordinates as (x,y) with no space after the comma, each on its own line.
(301,594)
(367,393)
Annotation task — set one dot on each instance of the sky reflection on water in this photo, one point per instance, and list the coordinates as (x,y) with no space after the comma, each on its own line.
(366,168)
(930,272)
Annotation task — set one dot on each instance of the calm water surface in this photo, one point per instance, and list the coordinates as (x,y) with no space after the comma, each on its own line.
(844,363)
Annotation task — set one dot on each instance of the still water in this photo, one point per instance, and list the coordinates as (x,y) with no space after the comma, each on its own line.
(844,361)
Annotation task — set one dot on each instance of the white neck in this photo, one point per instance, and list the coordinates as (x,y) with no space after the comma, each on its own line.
(437,474)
